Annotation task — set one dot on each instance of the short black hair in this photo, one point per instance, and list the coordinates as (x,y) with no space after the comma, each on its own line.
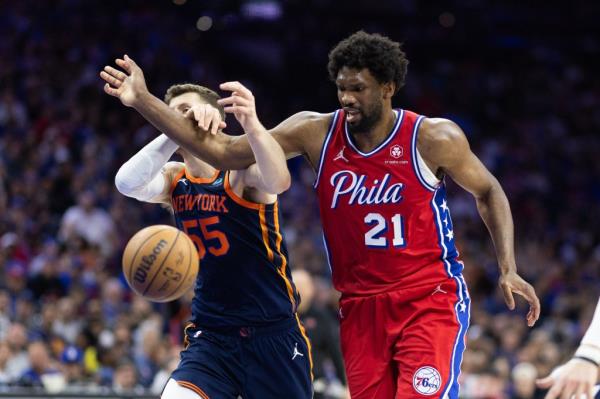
(382,56)
(205,93)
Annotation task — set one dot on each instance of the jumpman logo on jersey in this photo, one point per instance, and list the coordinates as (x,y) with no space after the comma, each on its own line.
(438,289)
(296,352)
(184,181)
(340,155)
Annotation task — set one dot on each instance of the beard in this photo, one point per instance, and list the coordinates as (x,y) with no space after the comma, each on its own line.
(367,120)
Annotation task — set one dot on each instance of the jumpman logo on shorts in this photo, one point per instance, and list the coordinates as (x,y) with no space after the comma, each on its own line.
(438,289)
(296,352)
(340,155)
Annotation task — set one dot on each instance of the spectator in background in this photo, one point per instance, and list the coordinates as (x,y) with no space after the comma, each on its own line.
(5,355)
(71,362)
(523,377)
(322,329)
(5,313)
(90,222)
(67,324)
(16,338)
(125,378)
(40,365)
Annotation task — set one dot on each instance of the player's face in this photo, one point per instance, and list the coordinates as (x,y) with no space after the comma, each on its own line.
(185,101)
(361,96)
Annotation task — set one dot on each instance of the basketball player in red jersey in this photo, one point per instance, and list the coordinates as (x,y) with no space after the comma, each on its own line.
(387,227)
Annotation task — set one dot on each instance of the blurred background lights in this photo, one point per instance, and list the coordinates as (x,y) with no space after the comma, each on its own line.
(447,19)
(204,23)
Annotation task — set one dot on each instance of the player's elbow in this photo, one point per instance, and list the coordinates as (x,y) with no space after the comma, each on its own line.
(124,184)
(281,183)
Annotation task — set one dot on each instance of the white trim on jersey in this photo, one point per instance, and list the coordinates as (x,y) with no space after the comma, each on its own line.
(416,157)
(440,230)
(460,336)
(325,146)
(327,253)
(391,135)
(428,176)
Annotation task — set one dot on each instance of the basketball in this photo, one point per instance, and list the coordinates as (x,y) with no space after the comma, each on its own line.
(160,263)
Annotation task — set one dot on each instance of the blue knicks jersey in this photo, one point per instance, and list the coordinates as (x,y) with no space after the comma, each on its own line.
(244,277)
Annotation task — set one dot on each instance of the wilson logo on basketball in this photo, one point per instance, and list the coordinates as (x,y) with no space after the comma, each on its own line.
(147,261)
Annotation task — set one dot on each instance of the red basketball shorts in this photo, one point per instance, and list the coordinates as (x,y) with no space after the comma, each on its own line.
(407,343)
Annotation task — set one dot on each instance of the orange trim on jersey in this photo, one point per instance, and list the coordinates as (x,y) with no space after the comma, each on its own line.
(303,332)
(265,231)
(197,389)
(186,341)
(175,180)
(282,269)
(238,199)
(202,180)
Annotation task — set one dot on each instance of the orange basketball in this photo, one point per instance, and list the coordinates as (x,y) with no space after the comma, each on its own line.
(160,263)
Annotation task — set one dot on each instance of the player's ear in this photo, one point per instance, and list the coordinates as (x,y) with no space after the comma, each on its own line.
(388,88)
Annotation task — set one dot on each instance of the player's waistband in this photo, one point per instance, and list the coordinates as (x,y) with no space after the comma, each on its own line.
(252,331)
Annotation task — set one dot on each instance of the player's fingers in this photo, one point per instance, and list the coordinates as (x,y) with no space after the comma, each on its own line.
(508,296)
(215,121)
(544,383)
(226,100)
(534,305)
(236,86)
(114,82)
(199,116)
(568,390)
(580,391)
(124,64)
(115,73)
(555,390)
(111,91)
(590,391)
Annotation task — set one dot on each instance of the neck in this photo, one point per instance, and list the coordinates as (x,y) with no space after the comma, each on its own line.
(369,140)
(197,167)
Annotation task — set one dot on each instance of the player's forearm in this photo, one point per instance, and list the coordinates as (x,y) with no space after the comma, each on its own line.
(270,161)
(590,344)
(494,209)
(221,151)
(137,178)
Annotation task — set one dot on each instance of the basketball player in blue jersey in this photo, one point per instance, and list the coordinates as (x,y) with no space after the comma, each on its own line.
(245,338)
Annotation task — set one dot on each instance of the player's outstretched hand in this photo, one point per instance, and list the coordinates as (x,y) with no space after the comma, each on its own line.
(127,85)
(241,104)
(512,282)
(207,116)
(576,377)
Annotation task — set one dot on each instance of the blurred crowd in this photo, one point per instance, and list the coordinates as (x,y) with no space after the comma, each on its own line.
(519,80)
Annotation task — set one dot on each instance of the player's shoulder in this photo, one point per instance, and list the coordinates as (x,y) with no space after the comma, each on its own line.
(440,133)
(173,167)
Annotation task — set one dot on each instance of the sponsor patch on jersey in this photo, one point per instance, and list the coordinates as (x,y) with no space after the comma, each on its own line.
(427,380)
(396,151)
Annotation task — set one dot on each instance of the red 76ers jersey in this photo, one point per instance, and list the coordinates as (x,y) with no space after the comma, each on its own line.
(385,226)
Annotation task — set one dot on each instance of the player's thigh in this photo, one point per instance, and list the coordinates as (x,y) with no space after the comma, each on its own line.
(366,349)
(429,352)
(278,366)
(210,366)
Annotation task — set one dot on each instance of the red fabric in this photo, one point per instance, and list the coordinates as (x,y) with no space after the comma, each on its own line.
(387,338)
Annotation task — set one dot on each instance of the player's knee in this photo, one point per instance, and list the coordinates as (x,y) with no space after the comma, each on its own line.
(175,391)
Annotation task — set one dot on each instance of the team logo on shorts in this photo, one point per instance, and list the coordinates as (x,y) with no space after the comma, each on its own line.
(396,151)
(427,381)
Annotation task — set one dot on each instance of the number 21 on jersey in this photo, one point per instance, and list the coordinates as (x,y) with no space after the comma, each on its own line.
(376,237)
